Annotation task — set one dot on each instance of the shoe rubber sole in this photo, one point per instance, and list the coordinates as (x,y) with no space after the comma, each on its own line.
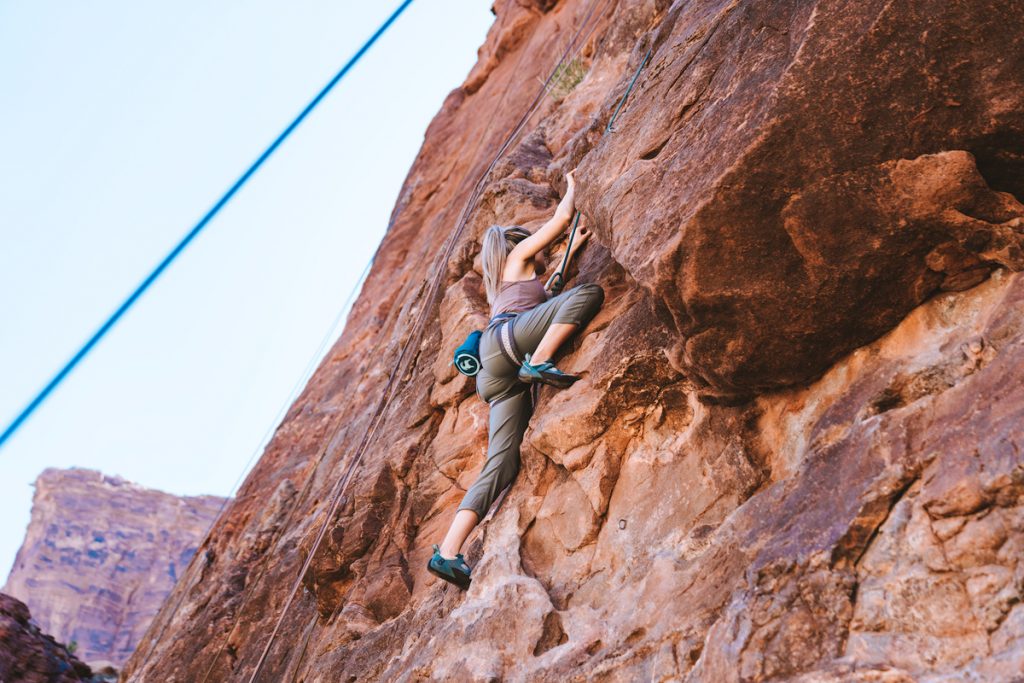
(449,579)
(561,382)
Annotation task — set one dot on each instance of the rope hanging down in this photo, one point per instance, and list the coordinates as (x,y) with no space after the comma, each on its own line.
(556,282)
(324,452)
(282,411)
(439,269)
(192,234)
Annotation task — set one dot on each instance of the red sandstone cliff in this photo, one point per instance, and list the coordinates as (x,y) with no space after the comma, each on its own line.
(796,451)
(100,556)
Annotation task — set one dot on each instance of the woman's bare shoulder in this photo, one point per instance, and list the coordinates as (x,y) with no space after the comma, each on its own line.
(517,272)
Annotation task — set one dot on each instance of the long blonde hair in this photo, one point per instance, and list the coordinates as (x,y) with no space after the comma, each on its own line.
(498,241)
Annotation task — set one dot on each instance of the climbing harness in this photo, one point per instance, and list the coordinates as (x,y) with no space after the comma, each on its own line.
(508,346)
(610,128)
(467,357)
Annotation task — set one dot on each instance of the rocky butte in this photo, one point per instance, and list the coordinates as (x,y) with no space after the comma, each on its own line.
(100,556)
(796,450)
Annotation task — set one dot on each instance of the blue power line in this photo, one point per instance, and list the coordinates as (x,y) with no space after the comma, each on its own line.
(152,277)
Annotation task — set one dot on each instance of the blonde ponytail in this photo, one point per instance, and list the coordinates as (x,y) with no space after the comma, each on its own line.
(497,242)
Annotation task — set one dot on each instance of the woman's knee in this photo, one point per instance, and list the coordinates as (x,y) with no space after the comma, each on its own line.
(593,292)
(582,304)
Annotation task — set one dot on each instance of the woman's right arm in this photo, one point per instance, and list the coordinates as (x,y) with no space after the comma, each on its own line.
(582,234)
(550,231)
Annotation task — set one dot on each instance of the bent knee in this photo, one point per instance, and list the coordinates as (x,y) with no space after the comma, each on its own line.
(581,303)
(593,291)
(592,295)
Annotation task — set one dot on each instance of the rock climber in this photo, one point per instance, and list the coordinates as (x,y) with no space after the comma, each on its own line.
(523,320)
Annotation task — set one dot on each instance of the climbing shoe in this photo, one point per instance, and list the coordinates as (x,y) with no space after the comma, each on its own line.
(545,373)
(454,571)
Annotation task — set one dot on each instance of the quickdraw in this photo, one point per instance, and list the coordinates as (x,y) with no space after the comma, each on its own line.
(643,62)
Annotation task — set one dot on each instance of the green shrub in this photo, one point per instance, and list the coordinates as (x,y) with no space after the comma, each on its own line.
(567,76)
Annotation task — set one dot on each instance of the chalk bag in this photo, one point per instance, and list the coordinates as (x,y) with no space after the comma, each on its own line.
(467,356)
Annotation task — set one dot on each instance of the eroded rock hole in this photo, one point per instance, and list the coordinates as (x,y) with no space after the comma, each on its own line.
(890,399)
(1000,160)
(552,634)
(636,635)
(655,151)
(694,653)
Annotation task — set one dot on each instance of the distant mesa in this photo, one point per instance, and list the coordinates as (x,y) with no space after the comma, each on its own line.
(100,556)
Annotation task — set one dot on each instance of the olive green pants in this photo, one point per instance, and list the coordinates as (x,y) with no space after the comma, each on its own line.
(510,400)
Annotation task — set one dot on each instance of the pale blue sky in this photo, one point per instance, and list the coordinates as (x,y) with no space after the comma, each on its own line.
(120,124)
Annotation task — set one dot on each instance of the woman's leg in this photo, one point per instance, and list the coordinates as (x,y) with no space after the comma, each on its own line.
(556,335)
(510,407)
(464,522)
(509,415)
(544,328)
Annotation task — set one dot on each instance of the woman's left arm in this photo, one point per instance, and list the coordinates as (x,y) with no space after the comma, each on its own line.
(550,231)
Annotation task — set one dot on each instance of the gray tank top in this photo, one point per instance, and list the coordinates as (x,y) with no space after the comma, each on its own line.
(522,295)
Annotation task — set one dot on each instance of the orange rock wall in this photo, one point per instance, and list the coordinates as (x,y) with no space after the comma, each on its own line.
(796,450)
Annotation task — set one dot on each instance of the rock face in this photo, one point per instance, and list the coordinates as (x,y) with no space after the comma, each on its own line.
(796,453)
(100,556)
(29,656)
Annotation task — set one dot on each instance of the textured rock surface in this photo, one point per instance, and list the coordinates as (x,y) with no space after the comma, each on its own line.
(100,556)
(28,655)
(796,450)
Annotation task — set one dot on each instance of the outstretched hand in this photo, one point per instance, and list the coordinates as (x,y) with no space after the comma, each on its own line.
(582,235)
(568,203)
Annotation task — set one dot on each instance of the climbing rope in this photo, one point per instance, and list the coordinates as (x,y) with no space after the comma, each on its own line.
(440,267)
(300,383)
(193,233)
(310,366)
(556,282)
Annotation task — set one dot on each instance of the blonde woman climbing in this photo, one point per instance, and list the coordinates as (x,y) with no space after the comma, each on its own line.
(527,327)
